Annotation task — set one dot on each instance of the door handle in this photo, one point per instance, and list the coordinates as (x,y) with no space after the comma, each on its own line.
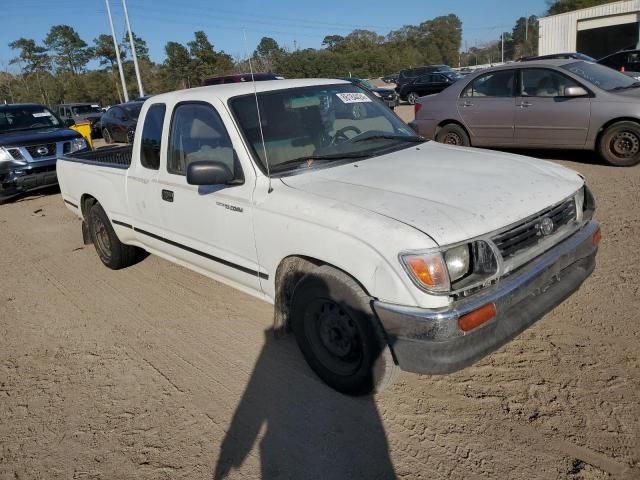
(467,104)
(525,105)
(167,195)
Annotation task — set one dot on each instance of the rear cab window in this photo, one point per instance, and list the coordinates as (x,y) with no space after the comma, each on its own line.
(151,141)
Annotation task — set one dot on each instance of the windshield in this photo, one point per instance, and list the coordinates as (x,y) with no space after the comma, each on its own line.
(84,109)
(452,75)
(366,84)
(26,117)
(133,110)
(603,77)
(306,126)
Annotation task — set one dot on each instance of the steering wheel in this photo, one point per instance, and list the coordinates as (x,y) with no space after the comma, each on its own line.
(340,136)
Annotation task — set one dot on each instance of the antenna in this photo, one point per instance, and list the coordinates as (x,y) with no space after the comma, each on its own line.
(255,93)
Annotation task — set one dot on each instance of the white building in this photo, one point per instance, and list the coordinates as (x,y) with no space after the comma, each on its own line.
(595,31)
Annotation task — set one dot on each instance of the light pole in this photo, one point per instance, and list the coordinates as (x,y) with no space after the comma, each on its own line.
(133,49)
(115,45)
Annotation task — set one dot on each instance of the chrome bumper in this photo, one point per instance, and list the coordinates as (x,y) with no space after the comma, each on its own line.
(430,341)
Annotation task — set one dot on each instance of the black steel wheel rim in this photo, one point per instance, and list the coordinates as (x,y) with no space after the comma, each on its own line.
(625,144)
(334,336)
(103,242)
(452,138)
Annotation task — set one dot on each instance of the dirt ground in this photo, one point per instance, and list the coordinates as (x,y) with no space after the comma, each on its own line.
(155,372)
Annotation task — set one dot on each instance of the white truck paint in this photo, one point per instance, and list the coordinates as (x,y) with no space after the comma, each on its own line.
(356,216)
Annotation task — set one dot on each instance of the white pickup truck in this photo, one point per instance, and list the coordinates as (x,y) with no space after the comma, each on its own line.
(380,250)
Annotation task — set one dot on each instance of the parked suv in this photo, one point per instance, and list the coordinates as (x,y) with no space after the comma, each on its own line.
(31,139)
(428,84)
(81,112)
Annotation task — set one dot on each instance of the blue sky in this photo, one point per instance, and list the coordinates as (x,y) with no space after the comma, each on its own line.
(290,22)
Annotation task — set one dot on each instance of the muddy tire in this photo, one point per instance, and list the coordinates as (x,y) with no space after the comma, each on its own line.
(620,144)
(453,134)
(111,251)
(339,335)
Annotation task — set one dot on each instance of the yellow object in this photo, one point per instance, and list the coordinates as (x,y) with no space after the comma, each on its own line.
(84,129)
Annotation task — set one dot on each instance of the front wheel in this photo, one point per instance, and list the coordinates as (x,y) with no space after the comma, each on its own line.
(339,335)
(620,144)
(453,134)
(107,136)
(412,98)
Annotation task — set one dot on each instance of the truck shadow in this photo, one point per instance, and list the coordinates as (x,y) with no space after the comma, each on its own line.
(304,428)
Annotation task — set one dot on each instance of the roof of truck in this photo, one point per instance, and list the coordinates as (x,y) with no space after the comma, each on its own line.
(229,90)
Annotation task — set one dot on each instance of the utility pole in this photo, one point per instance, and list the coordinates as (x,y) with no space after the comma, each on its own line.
(115,45)
(133,48)
(502,37)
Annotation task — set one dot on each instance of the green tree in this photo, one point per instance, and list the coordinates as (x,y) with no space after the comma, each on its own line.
(206,61)
(71,53)
(34,62)
(563,6)
(332,42)
(178,64)
(142,50)
(104,50)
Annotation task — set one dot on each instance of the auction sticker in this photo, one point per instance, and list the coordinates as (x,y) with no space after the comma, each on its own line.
(41,114)
(353,97)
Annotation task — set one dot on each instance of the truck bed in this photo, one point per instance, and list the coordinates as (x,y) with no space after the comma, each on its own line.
(117,157)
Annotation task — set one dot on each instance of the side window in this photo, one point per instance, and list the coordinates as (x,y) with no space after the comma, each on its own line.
(614,61)
(633,62)
(197,133)
(541,82)
(152,136)
(423,80)
(493,84)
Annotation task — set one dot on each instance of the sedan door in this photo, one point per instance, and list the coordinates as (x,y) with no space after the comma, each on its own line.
(545,116)
(487,108)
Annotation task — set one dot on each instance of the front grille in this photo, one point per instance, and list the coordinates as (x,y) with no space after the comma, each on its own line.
(39,151)
(16,153)
(528,233)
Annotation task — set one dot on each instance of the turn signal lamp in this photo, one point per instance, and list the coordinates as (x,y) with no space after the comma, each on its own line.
(429,270)
(477,317)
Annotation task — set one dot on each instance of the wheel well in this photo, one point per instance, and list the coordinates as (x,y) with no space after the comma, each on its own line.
(86,202)
(604,127)
(447,122)
(289,272)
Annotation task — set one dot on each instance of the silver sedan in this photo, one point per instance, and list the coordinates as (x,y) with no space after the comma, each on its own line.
(568,104)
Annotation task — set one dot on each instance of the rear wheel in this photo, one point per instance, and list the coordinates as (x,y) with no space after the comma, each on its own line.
(412,98)
(107,136)
(339,335)
(112,252)
(620,144)
(453,134)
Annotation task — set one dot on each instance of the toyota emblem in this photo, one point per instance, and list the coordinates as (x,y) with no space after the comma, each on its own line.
(42,150)
(546,226)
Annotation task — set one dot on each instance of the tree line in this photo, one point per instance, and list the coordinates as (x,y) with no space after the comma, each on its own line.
(56,70)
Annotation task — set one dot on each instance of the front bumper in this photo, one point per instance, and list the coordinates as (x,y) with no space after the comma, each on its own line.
(31,177)
(429,341)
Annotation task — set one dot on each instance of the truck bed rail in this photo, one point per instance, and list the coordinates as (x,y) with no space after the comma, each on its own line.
(116,157)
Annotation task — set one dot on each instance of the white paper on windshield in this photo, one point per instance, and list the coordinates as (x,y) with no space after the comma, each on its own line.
(41,114)
(353,97)
(95,106)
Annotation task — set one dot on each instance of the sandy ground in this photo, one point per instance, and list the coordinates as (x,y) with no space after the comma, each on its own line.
(155,372)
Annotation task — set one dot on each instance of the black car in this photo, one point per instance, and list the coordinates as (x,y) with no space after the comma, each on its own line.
(428,84)
(393,78)
(409,74)
(32,137)
(387,95)
(626,61)
(119,122)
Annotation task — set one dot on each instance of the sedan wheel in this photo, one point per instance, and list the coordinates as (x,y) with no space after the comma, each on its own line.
(412,98)
(620,144)
(107,136)
(453,134)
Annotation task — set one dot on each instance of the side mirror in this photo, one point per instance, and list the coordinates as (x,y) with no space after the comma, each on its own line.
(575,92)
(208,172)
(69,122)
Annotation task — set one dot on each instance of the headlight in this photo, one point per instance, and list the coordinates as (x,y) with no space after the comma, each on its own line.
(5,156)
(451,269)
(78,144)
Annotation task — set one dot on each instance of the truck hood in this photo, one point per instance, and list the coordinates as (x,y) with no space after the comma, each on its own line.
(33,137)
(451,194)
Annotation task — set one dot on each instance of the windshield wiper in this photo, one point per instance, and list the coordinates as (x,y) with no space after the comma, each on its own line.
(319,158)
(390,136)
(633,85)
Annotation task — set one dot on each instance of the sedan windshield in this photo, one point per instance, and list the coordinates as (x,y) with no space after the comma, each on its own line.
(307,126)
(603,77)
(133,109)
(26,117)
